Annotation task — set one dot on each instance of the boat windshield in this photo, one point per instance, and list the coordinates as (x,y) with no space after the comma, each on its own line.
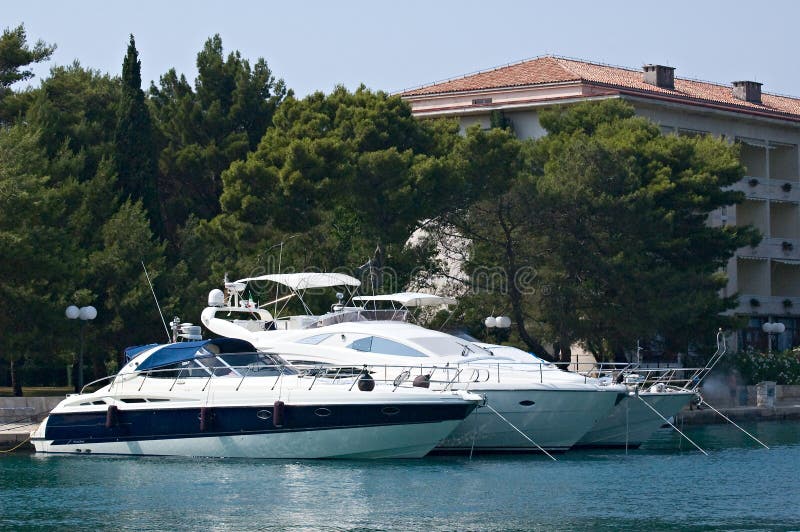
(225,365)
(257,364)
(348,315)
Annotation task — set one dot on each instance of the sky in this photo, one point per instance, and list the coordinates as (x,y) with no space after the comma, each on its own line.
(392,46)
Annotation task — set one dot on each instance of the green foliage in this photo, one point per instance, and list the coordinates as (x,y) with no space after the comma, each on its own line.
(35,247)
(780,367)
(134,147)
(596,233)
(75,110)
(601,231)
(71,240)
(202,130)
(348,172)
(15,55)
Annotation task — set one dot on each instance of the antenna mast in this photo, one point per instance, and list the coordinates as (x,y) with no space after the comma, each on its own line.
(156,299)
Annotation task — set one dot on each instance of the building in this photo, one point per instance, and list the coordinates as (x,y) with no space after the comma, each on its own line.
(767,127)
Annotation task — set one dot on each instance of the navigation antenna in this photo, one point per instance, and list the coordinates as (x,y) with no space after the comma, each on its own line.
(157,305)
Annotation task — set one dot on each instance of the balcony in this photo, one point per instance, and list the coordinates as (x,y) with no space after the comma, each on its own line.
(767,305)
(760,188)
(773,248)
(754,187)
(783,190)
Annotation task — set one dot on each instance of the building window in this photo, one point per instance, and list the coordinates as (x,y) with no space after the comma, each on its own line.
(783,161)
(753,153)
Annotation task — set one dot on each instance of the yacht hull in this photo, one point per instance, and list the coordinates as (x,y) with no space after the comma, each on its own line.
(631,422)
(249,432)
(555,419)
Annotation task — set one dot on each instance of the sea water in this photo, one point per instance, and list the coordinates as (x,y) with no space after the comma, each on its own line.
(665,485)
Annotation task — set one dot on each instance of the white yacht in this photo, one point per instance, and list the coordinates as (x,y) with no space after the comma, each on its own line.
(528,406)
(222,398)
(653,396)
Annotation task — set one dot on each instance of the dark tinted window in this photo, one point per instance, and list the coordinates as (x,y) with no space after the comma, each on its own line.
(376,344)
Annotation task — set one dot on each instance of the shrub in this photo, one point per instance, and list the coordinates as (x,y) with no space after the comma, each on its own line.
(782,367)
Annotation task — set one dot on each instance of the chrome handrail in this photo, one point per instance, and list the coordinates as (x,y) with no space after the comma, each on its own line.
(107,377)
(446,377)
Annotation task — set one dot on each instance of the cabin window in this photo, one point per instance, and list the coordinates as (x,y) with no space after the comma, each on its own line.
(362,344)
(314,340)
(376,344)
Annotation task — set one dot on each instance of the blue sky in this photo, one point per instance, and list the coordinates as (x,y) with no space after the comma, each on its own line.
(396,45)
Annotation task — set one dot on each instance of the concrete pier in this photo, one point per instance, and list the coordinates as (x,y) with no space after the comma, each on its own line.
(706,416)
(740,404)
(21,415)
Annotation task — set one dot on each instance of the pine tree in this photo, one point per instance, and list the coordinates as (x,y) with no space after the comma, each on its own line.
(15,56)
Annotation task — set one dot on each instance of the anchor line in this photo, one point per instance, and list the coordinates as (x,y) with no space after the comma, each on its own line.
(522,433)
(668,422)
(474,434)
(729,420)
(627,423)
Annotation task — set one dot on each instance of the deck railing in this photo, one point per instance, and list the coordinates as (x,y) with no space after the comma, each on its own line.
(440,377)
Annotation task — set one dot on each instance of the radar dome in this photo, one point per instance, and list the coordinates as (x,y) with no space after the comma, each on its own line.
(216,298)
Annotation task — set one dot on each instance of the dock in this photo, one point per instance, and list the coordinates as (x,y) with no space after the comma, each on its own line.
(19,416)
(18,434)
(706,416)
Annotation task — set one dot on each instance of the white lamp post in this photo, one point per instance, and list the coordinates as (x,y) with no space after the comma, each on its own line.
(772,329)
(84,314)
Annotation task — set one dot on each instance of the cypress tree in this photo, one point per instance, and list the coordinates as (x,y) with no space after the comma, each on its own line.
(134,143)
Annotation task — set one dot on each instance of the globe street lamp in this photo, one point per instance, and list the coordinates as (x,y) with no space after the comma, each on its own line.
(772,329)
(84,314)
(498,324)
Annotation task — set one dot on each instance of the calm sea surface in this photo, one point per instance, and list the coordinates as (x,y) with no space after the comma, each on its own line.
(665,485)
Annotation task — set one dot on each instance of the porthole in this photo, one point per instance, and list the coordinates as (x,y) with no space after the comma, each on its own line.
(322,412)
(390,410)
(263,414)
(527,402)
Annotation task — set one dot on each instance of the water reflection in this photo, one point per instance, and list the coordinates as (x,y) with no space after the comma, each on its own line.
(665,485)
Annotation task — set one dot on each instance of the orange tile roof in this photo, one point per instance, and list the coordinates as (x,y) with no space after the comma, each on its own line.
(554,69)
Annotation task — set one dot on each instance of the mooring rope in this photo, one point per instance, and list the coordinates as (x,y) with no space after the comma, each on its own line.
(729,420)
(20,444)
(523,434)
(668,422)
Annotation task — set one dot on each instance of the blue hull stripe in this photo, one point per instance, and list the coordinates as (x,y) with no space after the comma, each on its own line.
(164,423)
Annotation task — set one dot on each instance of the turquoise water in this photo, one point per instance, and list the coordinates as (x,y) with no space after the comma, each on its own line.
(666,485)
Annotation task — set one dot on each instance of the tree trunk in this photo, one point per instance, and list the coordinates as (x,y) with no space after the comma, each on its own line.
(16,384)
(75,386)
(564,351)
(515,295)
(532,343)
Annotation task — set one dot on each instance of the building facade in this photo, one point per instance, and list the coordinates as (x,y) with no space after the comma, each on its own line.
(766,127)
